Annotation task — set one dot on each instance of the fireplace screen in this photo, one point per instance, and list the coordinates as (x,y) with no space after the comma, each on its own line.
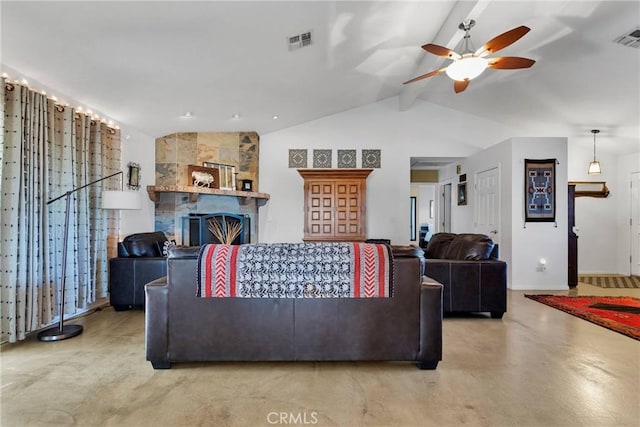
(199,229)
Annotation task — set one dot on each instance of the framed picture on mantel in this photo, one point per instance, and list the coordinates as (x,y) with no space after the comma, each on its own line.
(226,173)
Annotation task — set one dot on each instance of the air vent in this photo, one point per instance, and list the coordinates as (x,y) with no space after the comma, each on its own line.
(300,40)
(630,38)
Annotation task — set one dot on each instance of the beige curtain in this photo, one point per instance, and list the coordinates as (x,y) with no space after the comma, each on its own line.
(48,150)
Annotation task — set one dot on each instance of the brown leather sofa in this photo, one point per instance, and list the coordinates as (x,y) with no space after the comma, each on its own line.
(473,277)
(140,260)
(181,327)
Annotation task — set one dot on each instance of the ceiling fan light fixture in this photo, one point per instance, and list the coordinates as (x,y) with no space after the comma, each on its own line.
(467,68)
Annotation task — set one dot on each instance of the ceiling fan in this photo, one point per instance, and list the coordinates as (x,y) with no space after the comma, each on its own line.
(470,64)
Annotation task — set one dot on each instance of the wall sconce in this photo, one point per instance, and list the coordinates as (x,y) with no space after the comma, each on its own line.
(594,166)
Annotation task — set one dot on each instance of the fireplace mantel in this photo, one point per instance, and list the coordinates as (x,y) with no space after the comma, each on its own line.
(194,192)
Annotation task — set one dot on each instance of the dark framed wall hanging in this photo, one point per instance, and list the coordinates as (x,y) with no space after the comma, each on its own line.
(462,194)
(133,176)
(540,190)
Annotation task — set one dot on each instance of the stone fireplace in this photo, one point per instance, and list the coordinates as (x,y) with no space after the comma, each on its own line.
(174,154)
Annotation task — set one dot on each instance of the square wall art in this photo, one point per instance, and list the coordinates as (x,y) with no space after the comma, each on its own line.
(297,158)
(346,158)
(371,158)
(321,158)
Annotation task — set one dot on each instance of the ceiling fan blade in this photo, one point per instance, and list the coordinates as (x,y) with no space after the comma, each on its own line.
(441,51)
(460,86)
(502,41)
(510,63)
(424,76)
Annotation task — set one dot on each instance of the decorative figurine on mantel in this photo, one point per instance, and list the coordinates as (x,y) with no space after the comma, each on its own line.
(202,179)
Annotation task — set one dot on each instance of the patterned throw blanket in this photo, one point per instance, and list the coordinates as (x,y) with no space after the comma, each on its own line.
(295,270)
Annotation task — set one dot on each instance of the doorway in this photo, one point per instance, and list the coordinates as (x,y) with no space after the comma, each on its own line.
(487,214)
(635,224)
(427,218)
(445,209)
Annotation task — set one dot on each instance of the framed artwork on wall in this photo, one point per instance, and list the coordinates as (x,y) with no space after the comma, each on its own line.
(133,176)
(540,190)
(462,194)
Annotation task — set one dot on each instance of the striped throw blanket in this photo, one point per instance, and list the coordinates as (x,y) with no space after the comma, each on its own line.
(295,270)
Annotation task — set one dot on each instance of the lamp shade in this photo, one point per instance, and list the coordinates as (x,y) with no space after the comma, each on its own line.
(467,68)
(121,200)
(594,168)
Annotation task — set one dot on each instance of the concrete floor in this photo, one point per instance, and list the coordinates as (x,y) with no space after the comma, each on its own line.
(536,367)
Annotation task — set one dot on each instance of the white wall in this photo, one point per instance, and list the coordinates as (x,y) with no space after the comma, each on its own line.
(139,148)
(595,217)
(542,239)
(420,131)
(521,247)
(625,166)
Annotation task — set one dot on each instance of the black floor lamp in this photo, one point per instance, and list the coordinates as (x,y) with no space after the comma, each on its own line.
(126,200)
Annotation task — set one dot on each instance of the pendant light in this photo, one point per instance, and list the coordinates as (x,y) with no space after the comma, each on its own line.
(594,166)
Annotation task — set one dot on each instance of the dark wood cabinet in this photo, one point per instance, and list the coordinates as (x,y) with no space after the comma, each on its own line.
(335,204)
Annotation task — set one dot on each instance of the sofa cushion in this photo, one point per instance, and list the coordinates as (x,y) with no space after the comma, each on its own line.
(470,247)
(406,251)
(175,251)
(438,245)
(142,245)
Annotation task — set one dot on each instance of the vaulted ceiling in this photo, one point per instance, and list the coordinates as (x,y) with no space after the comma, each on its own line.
(145,64)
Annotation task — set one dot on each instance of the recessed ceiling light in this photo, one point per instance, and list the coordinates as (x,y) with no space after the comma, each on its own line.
(235,116)
(187,115)
(275,117)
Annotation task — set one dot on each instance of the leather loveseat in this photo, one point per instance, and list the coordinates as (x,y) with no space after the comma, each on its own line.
(180,327)
(140,260)
(467,265)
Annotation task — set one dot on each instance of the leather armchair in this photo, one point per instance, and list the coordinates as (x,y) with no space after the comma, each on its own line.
(140,261)
(473,278)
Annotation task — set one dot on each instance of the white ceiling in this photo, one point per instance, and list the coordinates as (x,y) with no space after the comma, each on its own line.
(144,64)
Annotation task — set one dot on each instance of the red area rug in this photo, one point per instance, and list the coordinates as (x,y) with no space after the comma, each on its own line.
(620,314)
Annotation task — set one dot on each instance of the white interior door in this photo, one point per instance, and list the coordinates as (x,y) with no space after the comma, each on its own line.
(487,193)
(635,224)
